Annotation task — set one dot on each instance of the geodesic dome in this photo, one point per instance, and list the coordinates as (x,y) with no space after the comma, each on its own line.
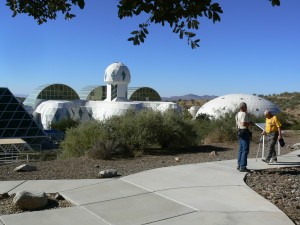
(54,111)
(117,73)
(226,103)
(100,110)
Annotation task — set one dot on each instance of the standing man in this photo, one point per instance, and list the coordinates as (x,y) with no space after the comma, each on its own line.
(273,132)
(243,122)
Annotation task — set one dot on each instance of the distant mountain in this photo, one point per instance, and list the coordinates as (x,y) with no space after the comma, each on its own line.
(21,95)
(189,97)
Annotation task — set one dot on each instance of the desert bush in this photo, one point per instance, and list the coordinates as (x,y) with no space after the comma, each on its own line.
(216,129)
(136,130)
(64,124)
(48,155)
(175,130)
(105,149)
(225,128)
(78,141)
(296,126)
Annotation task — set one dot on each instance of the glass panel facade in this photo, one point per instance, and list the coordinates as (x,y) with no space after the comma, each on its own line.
(15,122)
(93,93)
(143,94)
(50,92)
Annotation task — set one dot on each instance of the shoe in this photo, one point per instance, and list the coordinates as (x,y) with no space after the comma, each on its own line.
(238,167)
(274,160)
(265,160)
(245,169)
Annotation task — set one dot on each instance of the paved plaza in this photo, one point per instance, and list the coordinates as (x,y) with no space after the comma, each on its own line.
(212,193)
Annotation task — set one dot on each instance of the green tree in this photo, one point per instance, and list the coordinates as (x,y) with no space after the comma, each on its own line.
(183,16)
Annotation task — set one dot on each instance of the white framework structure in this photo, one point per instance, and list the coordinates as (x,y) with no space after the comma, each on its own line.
(11,148)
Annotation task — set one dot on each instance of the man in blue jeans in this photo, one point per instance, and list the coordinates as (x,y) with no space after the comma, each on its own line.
(243,123)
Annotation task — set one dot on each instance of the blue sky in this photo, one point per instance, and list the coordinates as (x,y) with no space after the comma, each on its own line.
(254,49)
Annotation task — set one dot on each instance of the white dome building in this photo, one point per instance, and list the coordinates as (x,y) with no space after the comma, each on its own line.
(55,102)
(53,111)
(226,103)
(117,77)
(193,110)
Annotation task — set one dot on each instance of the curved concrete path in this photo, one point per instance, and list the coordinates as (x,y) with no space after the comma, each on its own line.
(211,193)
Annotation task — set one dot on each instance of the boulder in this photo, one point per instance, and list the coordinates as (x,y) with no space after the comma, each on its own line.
(108,173)
(30,200)
(59,197)
(4,195)
(25,168)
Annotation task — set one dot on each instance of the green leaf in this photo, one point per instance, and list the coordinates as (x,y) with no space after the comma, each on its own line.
(275,2)
(181,34)
(143,34)
(190,24)
(134,32)
(146,31)
(81,4)
(141,38)
(216,17)
(195,23)
(190,34)
(136,40)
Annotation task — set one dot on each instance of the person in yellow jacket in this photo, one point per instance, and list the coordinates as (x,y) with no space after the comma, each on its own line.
(273,133)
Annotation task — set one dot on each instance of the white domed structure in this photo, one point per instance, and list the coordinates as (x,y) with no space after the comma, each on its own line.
(117,76)
(117,73)
(53,111)
(193,110)
(226,103)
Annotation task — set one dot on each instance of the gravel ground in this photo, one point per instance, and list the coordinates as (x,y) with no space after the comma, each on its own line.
(280,186)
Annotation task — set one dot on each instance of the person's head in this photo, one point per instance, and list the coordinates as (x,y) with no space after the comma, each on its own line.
(243,107)
(268,113)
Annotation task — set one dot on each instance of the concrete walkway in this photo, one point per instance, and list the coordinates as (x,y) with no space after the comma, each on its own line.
(205,193)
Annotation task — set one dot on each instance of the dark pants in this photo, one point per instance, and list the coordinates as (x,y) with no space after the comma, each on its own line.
(272,140)
(244,145)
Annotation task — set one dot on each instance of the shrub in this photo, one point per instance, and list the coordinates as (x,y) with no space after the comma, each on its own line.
(79,140)
(105,149)
(64,124)
(175,131)
(136,130)
(219,129)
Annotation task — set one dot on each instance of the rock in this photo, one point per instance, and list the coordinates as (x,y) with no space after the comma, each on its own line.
(59,197)
(97,166)
(213,153)
(108,173)
(25,168)
(30,200)
(177,159)
(4,195)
